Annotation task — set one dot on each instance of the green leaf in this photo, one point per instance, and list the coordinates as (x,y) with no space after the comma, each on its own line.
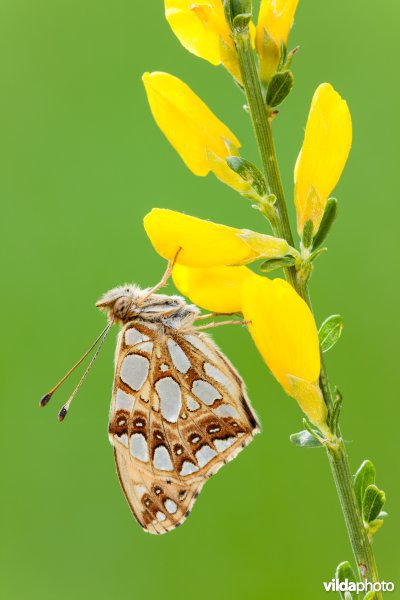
(248,172)
(364,477)
(373,502)
(345,571)
(327,221)
(304,439)
(279,88)
(371,596)
(330,332)
(277,263)
(307,237)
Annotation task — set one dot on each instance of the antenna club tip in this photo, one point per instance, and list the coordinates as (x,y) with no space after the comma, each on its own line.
(62,414)
(45,400)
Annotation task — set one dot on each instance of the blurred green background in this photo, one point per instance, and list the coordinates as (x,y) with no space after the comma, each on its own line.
(81,163)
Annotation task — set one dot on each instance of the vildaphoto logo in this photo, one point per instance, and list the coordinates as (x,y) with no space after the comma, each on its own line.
(335,585)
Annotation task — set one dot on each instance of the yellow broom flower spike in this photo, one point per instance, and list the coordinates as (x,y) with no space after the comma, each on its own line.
(275,20)
(325,150)
(200,138)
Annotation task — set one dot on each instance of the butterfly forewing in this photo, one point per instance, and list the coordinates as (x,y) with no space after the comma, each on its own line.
(179,412)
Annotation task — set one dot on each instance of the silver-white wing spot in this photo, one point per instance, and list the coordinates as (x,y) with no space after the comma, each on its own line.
(226,410)
(205,454)
(178,357)
(160,516)
(134,371)
(162,459)
(222,445)
(220,377)
(171,506)
(205,392)
(139,447)
(123,401)
(146,347)
(133,336)
(188,468)
(170,395)
(191,404)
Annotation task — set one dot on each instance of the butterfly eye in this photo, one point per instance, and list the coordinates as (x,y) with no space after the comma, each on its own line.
(122,306)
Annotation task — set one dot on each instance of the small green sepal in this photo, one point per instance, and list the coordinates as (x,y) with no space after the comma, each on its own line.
(249,173)
(373,502)
(277,263)
(364,477)
(330,332)
(327,221)
(334,414)
(307,237)
(279,87)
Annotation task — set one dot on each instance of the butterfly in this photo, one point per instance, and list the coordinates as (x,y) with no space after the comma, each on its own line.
(179,409)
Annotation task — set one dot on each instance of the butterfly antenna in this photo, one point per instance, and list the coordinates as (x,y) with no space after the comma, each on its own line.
(64,411)
(46,399)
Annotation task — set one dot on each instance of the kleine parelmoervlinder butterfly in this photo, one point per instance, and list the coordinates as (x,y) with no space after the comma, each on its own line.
(179,409)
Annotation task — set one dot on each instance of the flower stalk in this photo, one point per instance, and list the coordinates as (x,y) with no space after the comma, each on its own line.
(261,120)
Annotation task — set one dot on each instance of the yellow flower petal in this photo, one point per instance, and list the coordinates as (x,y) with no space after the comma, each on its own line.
(202,243)
(202,29)
(276,17)
(187,122)
(321,161)
(283,329)
(217,289)
(195,24)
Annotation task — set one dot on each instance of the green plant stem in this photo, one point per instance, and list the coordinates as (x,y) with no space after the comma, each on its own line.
(336,450)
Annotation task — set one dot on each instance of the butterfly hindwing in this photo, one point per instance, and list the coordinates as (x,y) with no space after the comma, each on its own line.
(179,412)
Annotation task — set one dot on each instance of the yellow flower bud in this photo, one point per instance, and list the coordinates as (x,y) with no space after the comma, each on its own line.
(283,329)
(217,289)
(202,243)
(321,161)
(190,126)
(201,28)
(275,20)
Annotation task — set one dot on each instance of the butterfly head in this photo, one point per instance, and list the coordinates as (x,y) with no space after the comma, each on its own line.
(119,301)
(127,302)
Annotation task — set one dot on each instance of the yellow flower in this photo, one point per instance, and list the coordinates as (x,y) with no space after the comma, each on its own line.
(217,289)
(199,137)
(284,331)
(205,244)
(275,20)
(321,161)
(202,243)
(201,28)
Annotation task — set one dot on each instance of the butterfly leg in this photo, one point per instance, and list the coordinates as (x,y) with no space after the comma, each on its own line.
(165,277)
(219,324)
(212,315)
